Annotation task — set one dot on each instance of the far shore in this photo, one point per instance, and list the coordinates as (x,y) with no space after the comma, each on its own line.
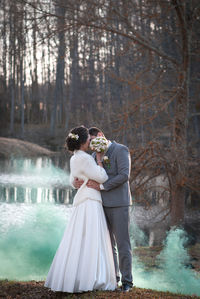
(12,147)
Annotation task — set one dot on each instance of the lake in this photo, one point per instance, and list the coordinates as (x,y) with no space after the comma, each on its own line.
(35,204)
(35,207)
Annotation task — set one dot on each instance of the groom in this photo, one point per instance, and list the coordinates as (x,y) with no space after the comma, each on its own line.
(116,199)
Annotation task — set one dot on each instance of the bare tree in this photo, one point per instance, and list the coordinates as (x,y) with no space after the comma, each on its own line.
(59,87)
(130,67)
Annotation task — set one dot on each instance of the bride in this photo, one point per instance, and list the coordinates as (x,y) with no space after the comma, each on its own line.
(84,259)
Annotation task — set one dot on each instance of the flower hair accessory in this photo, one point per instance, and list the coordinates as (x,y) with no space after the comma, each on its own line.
(73,136)
(99,144)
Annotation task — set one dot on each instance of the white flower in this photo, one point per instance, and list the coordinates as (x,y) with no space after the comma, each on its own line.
(73,136)
(99,144)
(106,161)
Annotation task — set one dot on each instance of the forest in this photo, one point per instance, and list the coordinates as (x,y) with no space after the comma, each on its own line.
(130,67)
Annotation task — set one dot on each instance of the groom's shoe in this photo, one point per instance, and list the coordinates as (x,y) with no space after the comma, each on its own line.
(126,288)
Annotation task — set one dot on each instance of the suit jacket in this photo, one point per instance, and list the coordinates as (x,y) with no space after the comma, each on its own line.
(117,189)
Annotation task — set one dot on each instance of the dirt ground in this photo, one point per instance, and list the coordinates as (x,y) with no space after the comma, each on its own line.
(36,290)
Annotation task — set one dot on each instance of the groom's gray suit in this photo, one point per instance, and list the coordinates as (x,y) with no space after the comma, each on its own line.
(116,199)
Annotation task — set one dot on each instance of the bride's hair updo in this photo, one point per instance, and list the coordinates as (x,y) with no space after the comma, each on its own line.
(76,138)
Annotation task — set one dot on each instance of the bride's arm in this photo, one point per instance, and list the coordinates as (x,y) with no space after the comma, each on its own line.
(93,171)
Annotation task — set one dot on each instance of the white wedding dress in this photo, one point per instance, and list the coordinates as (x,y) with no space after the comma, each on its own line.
(84,259)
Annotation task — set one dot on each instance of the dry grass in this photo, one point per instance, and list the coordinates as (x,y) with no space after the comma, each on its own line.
(36,290)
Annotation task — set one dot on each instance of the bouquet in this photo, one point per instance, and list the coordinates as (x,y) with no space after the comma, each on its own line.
(99,144)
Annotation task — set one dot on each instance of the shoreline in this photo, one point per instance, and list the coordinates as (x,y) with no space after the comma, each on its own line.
(12,147)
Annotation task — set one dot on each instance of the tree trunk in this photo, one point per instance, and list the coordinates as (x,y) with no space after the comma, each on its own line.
(181,122)
(12,57)
(58,93)
(35,92)
(22,96)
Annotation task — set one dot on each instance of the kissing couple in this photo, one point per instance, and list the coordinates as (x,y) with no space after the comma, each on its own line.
(95,251)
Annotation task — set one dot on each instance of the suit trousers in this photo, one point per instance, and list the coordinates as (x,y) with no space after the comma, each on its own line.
(118,220)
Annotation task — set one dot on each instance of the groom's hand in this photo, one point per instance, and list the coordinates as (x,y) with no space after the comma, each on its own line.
(93,184)
(77,183)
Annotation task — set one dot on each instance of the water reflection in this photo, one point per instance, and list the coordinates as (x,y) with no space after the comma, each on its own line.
(35,181)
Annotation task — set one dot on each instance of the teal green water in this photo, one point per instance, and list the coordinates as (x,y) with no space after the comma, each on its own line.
(31,223)
(33,181)
(30,235)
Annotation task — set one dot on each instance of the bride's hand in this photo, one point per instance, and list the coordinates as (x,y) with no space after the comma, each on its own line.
(77,183)
(93,184)
(99,157)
